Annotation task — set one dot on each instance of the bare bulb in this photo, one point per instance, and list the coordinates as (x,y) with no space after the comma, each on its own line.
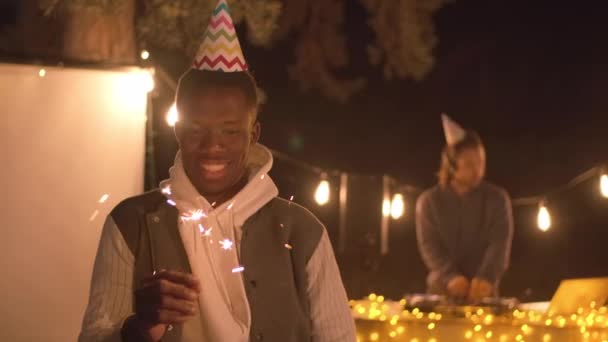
(322,193)
(544,218)
(604,185)
(397,206)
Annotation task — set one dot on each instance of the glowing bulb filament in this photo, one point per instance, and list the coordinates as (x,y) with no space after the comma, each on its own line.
(397,206)
(544,219)
(322,193)
(604,185)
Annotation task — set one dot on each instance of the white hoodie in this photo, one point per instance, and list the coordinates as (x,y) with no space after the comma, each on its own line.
(211,238)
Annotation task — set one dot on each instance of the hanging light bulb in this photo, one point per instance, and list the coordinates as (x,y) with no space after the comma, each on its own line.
(322,193)
(397,206)
(386,207)
(144,55)
(604,185)
(544,219)
(172,115)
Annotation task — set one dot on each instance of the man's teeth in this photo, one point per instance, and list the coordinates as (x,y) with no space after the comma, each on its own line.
(214,167)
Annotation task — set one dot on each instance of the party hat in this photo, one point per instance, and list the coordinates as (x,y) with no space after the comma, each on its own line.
(220,49)
(453,132)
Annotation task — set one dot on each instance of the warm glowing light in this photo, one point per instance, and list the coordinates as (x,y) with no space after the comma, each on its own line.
(144,54)
(42,73)
(172,115)
(322,193)
(604,185)
(544,219)
(397,206)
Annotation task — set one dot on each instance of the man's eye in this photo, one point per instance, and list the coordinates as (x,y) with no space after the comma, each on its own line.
(231,131)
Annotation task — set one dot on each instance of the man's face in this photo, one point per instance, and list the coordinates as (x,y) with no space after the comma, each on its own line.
(470,167)
(215,132)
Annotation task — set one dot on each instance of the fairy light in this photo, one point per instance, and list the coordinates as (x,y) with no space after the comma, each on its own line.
(42,72)
(525,325)
(144,55)
(322,193)
(544,218)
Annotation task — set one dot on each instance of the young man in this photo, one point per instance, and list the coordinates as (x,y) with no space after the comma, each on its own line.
(215,255)
(464,225)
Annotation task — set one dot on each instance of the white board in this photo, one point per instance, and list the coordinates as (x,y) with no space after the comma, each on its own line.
(66,140)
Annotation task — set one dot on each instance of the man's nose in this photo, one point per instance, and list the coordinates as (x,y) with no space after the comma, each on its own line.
(211,142)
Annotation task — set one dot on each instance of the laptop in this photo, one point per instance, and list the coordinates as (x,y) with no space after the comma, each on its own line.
(573,294)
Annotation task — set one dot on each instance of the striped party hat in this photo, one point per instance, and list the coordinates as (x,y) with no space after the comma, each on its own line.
(220,49)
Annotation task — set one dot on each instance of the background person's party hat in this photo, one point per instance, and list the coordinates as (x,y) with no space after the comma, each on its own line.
(453,132)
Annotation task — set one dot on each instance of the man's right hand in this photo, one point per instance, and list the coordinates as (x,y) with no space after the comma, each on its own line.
(166,298)
(458,287)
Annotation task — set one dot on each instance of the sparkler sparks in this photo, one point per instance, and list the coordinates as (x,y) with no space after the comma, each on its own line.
(238,269)
(226,244)
(194,215)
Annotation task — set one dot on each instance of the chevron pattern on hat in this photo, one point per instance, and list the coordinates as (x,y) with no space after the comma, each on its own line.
(220,49)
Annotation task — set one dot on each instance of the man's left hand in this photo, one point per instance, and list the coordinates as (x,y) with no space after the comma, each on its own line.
(480,288)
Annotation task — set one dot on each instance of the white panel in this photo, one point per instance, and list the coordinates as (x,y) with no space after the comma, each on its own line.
(66,139)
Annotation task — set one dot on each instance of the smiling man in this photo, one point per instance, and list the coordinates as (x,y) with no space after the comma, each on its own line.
(464,225)
(214,254)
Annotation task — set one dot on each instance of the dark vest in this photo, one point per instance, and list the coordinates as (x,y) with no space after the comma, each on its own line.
(274,276)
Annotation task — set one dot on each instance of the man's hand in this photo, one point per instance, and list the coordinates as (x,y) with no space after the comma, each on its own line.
(166,298)
(480,289)
(458,287)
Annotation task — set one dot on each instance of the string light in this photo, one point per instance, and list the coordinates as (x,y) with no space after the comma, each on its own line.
(322,193)
(397,206)
(42,73)
(144,55)
(604,185)
(172,115)
(544,218)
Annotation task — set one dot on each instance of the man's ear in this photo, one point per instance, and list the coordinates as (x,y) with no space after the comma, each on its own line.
(255,132)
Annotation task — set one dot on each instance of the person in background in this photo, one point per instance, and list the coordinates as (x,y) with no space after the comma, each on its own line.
(464,225)
(214,254)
